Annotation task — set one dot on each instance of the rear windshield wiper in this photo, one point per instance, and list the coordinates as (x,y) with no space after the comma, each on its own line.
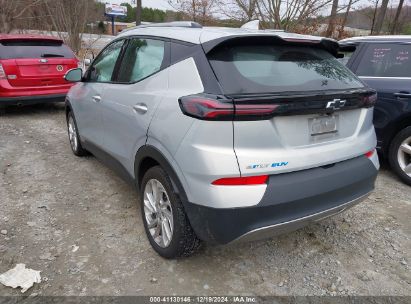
(51,55)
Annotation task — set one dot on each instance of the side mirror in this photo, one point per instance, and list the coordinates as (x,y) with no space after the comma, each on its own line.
(87,62)
(74,75)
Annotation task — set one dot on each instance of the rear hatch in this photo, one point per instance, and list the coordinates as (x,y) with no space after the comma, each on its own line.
(33,63)
(305,108)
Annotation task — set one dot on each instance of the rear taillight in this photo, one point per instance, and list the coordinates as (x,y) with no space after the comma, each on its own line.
(2,73)
(241,181)
(370,153)
(207,108)
(369,101)
(203,107)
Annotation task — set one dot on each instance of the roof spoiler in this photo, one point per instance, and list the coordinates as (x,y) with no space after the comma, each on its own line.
(349,47)
(327,44)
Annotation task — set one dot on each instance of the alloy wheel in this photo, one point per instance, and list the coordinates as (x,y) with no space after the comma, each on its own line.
(72,132)
(404,156)
(158,213)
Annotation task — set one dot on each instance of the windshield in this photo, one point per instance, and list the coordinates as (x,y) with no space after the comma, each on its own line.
(34,49)
(254,69)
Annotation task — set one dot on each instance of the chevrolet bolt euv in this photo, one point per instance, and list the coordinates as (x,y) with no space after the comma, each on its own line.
(228,134)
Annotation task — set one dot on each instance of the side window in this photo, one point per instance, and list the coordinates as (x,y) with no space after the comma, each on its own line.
(103,67)
(386,60)
(142,58)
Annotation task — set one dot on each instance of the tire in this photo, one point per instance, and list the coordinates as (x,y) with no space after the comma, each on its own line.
(174,237)
(74,138)
(400,155)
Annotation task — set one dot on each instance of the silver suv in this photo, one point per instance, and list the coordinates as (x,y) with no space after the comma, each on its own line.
(228,134)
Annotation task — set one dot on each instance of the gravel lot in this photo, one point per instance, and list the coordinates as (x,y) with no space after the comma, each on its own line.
(51,202)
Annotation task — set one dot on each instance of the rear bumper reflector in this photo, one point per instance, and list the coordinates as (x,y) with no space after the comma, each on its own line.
(241,181)
(370,153)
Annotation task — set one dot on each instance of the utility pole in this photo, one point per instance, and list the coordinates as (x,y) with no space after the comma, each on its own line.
(138,12)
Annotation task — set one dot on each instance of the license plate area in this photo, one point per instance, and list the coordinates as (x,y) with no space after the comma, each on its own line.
(326,124)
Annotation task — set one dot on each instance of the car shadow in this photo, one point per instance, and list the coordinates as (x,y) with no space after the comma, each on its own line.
(51,108)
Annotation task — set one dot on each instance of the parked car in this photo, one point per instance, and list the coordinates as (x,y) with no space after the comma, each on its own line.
(228,134)
(32,69)
(384,63)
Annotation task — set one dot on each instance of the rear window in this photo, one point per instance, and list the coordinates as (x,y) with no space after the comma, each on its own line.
(34,49)
(254,69)
(386,60)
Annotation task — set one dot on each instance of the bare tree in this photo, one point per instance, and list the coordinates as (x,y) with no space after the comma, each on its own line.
(196,10)
(12,10)
(290,14)
(345,17)
(239,10)
(374,15)
(380,18)
(397,17)
(69,18)
(332,19)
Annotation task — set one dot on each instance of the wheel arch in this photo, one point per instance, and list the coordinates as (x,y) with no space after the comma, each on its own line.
(149,156)
(396,126)
(67,107)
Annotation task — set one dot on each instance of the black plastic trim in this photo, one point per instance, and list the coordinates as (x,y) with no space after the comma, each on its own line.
(344,180)
(329,45)
(148,151)
(108,160)
(289,197)
(181,51)
(144,152)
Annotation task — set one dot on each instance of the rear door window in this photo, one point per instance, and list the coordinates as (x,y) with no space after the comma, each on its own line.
(385,60)
(253,69)
(19,49)
(142,58)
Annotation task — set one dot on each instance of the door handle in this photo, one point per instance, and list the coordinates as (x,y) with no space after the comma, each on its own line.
(140,108)
(402,95)
(96,98)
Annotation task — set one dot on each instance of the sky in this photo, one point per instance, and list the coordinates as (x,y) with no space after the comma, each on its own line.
(161,4)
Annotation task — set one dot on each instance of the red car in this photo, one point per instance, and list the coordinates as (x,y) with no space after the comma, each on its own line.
(32,69)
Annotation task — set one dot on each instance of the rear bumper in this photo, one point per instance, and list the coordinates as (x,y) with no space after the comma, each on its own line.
(35,99)
(10,95)
(292,200)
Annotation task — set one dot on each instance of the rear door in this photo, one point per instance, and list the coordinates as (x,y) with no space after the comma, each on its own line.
(319,119)
(35,63)
(129,103)
(386,67)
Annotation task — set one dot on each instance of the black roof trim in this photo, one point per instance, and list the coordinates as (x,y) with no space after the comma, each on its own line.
(329,45)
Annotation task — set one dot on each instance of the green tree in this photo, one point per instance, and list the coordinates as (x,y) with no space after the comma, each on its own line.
(147,14)
(130,13)
(407,29)
(101,27)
